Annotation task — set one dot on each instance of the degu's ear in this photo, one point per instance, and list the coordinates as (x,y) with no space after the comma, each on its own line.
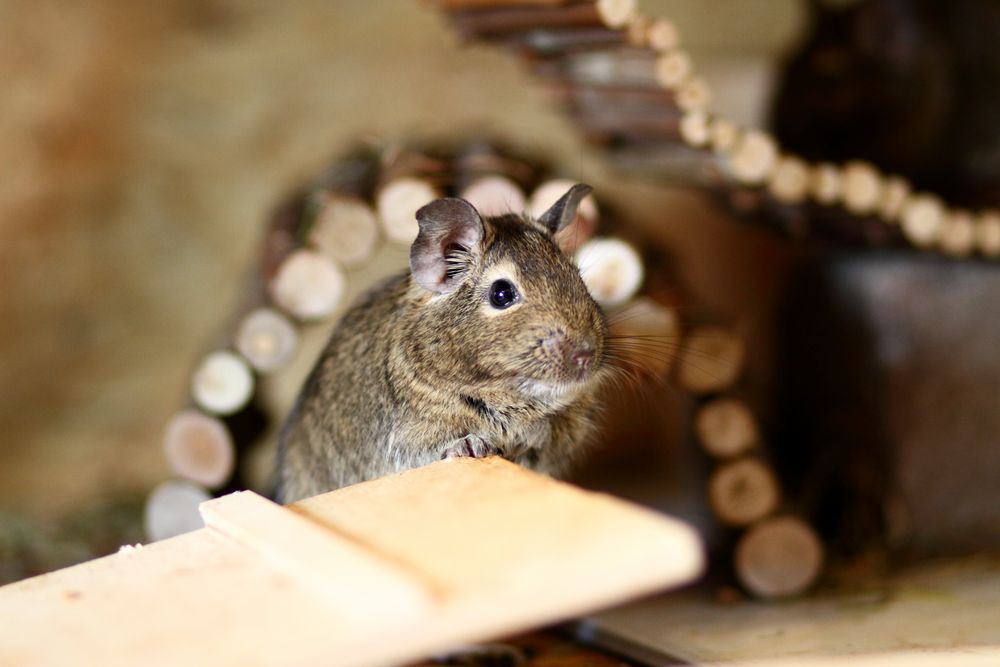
(563,211)
(450,238)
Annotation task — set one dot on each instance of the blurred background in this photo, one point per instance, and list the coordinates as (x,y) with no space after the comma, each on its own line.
(145,146)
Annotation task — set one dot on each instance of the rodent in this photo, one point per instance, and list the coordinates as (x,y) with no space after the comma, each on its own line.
(490,344)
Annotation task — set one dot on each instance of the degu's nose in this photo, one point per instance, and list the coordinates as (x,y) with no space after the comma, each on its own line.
(576,355)
(583,356)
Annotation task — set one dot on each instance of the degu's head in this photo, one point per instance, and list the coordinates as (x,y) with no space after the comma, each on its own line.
(507,303)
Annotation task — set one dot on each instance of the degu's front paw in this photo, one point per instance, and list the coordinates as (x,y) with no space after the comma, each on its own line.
(470,446)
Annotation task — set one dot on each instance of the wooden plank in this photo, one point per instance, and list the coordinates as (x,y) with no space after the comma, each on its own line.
(378,574)
(512,532)
(510,549)
(196,599)
(306,551)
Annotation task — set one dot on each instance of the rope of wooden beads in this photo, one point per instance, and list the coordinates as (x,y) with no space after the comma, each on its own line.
(566,37)
(754,158)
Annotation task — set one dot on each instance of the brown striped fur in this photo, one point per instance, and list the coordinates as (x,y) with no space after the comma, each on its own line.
(410,372)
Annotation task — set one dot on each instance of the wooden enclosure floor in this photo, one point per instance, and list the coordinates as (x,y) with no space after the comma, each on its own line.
(942,608)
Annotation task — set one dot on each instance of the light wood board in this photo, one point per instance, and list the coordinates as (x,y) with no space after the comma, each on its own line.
(377,574)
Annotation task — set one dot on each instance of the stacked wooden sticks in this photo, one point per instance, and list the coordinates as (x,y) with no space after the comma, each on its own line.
(777,554)
(627,83)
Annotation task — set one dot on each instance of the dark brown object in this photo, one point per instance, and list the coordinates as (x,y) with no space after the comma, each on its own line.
(909,84)
(886,418)
(495,22)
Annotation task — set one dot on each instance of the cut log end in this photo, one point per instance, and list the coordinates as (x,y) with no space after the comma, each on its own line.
(611,269)
(346,230)
(779,557)
(742,492)
(172,509)
(397,203)
(267,339)
(711,360)
(308,285)
(726,428)
(222,384)
(199,448)
(495,195)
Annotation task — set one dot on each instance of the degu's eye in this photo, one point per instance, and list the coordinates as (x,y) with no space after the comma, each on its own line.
(502,294)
